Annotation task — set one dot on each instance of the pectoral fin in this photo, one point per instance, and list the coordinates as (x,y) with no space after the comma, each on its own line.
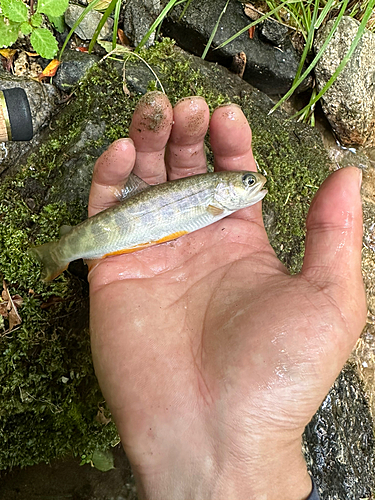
(133,186)
(214,210)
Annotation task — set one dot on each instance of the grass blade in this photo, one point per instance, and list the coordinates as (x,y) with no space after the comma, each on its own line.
(98,29)
(185,9)
(207,48)
(308,44)
(314,61)
(115,23)
(345,59)
(326,9)
(254,23)
(125,51)
(156,23)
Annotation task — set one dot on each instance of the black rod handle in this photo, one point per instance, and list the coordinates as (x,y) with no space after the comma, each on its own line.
(15,116)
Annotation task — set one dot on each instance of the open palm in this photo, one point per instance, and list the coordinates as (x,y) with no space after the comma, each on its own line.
(207,351)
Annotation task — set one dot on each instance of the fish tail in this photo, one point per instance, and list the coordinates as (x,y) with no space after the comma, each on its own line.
(51,265)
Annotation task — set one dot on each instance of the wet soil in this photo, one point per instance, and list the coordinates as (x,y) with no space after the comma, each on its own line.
(67,480)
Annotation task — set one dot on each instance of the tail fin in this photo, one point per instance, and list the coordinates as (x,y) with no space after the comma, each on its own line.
(51,266)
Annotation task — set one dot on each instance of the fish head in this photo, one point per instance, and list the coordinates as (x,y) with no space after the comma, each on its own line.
(236,190)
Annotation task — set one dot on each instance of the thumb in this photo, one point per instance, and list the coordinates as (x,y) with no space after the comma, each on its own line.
(334,239)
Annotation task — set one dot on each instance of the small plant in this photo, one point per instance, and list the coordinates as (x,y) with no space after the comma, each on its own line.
(19,19)
(306,16)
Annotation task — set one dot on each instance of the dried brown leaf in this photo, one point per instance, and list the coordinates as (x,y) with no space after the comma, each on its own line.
(239,64)
(101,418)
(9,307)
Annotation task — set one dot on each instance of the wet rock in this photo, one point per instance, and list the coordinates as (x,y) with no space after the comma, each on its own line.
(339,442)
(349,103)
(88,25)
(272,32)
(268,68)
(72,182)
(73,68)
(44,101)
(138,17)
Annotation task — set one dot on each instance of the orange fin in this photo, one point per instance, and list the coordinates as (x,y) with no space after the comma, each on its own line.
(170,237)
(214,210)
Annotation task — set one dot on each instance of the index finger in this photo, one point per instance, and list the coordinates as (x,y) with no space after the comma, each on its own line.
(110,175)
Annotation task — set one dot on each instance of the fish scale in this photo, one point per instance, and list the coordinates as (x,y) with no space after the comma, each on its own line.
(150,215)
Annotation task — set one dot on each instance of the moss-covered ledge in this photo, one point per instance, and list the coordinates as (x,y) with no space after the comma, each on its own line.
(50,403)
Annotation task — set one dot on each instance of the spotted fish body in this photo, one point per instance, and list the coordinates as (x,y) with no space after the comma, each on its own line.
(149,215)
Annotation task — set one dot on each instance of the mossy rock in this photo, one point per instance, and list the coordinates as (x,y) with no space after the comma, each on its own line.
(49,395)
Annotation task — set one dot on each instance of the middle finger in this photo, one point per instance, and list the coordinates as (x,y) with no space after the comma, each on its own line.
(185,151)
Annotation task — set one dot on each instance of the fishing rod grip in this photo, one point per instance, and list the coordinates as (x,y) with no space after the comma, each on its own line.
(15,116)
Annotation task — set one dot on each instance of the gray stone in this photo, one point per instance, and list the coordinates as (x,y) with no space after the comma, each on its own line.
(339,442)
(273,32)
(138,17)
(88,25)
(74,179)
(269,68)
(349,103)
(74,66)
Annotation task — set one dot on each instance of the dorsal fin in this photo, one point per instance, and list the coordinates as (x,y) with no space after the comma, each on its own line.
(133,186)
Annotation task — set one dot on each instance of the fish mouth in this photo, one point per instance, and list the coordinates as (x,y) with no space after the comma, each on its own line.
(259,195)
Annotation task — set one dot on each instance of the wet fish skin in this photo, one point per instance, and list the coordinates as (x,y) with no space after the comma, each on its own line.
(150,215)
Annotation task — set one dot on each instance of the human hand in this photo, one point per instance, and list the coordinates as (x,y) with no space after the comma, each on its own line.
(212,358)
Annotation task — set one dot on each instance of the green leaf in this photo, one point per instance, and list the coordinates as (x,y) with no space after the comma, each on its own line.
(26,29)
(14,10)
(58,22)
(44,43)
(36,20)
(52,8)
(103,460)
(8,32)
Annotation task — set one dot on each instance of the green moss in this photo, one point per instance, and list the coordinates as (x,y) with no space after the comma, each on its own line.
(49,396)
(48,392)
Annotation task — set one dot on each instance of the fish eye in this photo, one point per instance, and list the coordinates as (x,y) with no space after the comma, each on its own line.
(248,180)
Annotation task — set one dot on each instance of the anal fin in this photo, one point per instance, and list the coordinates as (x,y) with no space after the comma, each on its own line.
(136,248)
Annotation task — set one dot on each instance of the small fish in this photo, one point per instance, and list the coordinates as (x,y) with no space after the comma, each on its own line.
(149,215)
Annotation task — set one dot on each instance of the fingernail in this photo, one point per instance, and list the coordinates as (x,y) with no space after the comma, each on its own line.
(189,98)
(121,141)
(229,104)
(360,179)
